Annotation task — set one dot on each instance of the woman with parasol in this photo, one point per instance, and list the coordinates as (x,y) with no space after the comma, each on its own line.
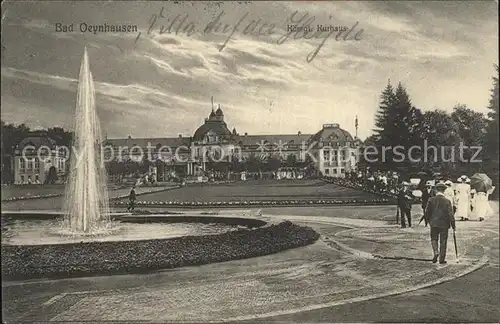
(482,184)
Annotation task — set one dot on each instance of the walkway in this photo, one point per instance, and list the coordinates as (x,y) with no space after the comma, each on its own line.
(355,260)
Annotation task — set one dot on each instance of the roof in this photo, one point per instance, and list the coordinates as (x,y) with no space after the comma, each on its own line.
(332,133)
(152,142)
(37,142)
(248,140)
(216,126)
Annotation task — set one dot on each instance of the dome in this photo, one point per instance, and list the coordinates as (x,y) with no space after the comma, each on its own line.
(217,127)
(332,133)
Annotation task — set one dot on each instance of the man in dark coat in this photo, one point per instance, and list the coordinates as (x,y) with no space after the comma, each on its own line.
(131,199)
(439,214)
(427,193)
(404,204)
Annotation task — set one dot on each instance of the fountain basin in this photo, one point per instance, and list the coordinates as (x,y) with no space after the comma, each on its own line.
(198,240)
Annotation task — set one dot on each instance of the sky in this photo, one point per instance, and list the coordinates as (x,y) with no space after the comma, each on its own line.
(160,83)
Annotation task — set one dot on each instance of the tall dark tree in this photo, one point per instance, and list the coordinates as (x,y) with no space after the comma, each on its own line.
(399,125)
(387,99)
(491,137)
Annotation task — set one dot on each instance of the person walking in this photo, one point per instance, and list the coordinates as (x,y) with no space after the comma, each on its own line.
(131,198)
(439,214)
(404,204)
(463,199)
(449,193)
(427,193)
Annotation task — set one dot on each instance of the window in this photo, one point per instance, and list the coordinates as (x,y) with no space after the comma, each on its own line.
(22,164)
(29,164)
(327,171)
(37,177)
(37,164)
(22,178)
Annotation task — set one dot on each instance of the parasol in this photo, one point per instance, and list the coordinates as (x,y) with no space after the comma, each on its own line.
(481,182)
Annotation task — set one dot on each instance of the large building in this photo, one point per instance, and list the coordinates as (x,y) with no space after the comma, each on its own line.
(333,150)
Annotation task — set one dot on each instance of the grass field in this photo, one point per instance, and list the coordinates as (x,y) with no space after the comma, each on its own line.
(239,191)
(260,190)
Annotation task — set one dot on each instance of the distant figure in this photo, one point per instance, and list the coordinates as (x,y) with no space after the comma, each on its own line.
(427,193)
(462,199)
(404,204)
(439,214)
(131,198)
(449,193)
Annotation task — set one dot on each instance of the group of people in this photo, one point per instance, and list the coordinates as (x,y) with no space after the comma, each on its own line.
(443,204)
(467,203)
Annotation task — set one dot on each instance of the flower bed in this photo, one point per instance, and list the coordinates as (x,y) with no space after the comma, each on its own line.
(84,259)
(266,203)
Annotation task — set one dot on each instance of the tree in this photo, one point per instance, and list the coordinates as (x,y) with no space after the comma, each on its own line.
(491,137)
(61,136)
(273,164)
(399,124)
(291,161)
(11,136)
(387,99)
(51,176)
(253,163)
(471,126)
(442,140)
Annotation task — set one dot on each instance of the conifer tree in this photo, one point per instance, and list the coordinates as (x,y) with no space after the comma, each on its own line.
(381,117)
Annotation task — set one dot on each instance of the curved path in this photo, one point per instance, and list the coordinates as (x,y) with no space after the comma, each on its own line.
(356,259)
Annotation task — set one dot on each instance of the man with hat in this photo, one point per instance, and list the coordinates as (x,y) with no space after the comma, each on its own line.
(439,214)
(427,193)
(404,204)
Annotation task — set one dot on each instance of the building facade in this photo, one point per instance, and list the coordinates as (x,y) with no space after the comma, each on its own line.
(333,150)
(37,156)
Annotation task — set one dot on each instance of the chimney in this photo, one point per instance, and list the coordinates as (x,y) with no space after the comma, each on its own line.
(180,135)
(246,134)
(130,137)
(299,133)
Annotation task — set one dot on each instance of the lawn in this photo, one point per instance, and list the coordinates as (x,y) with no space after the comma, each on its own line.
(238,191)
(31,190)
(260,190)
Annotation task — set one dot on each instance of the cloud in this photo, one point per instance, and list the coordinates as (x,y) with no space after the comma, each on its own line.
(161,85)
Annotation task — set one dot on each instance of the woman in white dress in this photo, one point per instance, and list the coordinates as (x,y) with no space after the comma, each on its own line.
(462,197)
(481,208)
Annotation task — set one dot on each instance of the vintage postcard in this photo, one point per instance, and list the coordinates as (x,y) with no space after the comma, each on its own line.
(250,161)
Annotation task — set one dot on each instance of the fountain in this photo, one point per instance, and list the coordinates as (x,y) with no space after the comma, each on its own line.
(86,207)
(34,244)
